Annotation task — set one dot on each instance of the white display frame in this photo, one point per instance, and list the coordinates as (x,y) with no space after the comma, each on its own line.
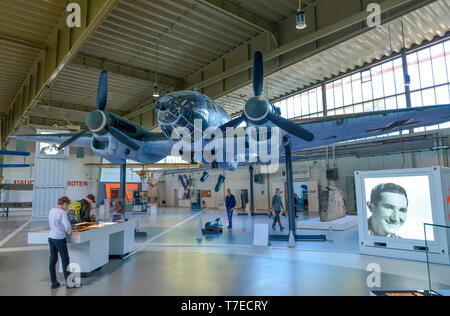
(439,182)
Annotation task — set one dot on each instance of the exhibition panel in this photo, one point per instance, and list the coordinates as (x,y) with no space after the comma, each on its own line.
(394,205)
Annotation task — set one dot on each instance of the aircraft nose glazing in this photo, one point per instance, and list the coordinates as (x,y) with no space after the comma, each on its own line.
(96,121)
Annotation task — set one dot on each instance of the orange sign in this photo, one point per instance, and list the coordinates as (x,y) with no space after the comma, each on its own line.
(206,194)
(128,194)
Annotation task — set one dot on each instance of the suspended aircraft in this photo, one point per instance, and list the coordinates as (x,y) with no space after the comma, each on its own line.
(117,139)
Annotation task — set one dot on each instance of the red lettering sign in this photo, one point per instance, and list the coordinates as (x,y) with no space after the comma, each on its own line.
(448,202)
(23,181)
(77,183)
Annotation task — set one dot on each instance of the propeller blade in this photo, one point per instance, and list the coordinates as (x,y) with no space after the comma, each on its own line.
(72,139)
(102,93)
(233,123)
(123,138)
(258,74)
(290,127)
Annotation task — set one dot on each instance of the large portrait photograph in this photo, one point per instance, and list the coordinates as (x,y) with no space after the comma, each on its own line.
(397,207)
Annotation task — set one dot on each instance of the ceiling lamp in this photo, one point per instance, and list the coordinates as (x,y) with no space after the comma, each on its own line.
(300,17)
(156,92)
(156,89)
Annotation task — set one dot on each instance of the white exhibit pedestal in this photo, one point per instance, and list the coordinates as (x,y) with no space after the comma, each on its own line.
(261,235)
(91,249)
(339,224)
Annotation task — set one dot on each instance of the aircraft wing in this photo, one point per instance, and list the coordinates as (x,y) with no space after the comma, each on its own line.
(334,129)
(84,141)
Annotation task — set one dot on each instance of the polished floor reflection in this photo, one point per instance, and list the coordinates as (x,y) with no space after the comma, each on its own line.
(171,261)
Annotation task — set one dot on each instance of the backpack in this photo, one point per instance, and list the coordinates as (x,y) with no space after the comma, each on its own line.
(74,212)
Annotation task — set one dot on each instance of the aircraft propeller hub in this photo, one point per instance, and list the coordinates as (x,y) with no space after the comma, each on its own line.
(96,121)
(257,109)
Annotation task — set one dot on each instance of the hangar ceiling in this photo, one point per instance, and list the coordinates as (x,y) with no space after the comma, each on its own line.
(25,27)
(418,26)
(204,44)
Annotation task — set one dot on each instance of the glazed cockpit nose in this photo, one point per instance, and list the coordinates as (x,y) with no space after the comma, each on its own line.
(96,121)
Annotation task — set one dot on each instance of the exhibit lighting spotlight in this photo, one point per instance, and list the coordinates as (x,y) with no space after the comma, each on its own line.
(300,17)
(156,92)
(220,181)
(204,177)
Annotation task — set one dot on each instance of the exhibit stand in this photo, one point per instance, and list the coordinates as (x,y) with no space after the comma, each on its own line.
(394,205)
(434,277)
(339,224)
(91,249)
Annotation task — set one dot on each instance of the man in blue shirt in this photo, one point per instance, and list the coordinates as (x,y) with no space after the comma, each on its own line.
(230,204)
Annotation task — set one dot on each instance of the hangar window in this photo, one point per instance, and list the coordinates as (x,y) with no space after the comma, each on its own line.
(304,105)
(380,87)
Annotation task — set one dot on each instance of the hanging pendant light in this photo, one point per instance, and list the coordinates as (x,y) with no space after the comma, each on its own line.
(407,78)
(156,92)
(300,17)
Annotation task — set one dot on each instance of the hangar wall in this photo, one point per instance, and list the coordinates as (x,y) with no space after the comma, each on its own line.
(239,179)
(346,166)
(81,179)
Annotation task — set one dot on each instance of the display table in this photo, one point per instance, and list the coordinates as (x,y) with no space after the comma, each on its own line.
(91,249)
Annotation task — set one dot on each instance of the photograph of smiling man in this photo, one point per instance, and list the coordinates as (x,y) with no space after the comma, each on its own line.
(397,207)
(389,206)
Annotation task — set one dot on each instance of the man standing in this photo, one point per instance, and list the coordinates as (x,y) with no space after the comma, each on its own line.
(86,205)
(277,206)
(230,204)
(389,207)
(59,227)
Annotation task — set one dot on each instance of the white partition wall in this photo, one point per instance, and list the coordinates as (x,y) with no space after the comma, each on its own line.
(50,179)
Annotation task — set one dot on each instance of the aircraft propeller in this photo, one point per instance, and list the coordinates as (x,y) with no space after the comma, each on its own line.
(258,110)
(98,122)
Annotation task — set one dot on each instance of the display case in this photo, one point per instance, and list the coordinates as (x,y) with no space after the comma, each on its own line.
(394,205)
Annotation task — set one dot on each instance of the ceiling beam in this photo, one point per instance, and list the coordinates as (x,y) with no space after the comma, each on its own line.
(122,69)
(60,49)
(18,41)
(48,123)
(302,41)
(239,13)
(83,109)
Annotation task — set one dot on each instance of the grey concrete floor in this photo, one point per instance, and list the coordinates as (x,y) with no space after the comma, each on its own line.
(170,261)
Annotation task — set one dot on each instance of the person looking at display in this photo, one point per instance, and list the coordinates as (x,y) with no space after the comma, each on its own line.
(119,210)
(59,228)
(230,204)
(389,207)
(86,205)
